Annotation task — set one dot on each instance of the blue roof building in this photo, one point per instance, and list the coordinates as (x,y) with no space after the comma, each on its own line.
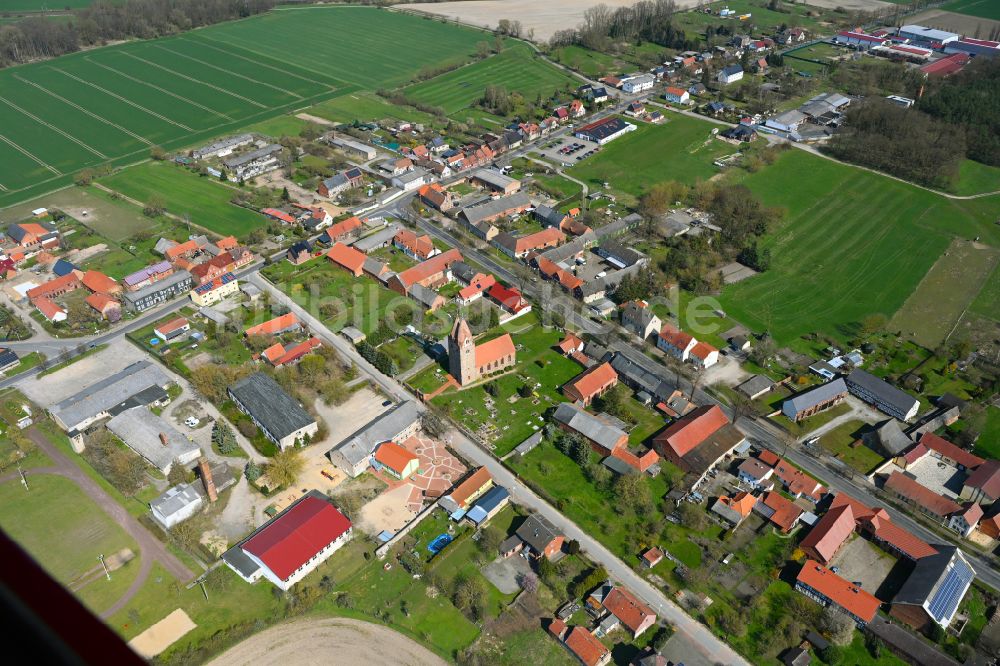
(488,505)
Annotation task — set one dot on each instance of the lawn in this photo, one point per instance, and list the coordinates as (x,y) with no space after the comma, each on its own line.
(204,200)
(987,303)
(59,525)
(115,220)
(592,64)
(988,9)
(929,315)
(977,178)
(515,69)
(838,442)
(988,444)
(359,302)
(681,149)
(564,483)
(366,107)
(795,15)
(806,426)
(852,243)
(279,126)
(110,105)
(514,418)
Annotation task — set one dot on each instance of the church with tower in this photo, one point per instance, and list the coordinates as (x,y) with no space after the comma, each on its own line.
(468,362)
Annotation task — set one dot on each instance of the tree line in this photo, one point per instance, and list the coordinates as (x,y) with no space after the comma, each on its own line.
(645,21)
(970,100)
(35,38)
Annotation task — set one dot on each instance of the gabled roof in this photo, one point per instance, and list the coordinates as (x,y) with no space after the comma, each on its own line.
(586,647)
(832,530)
(703,350)
(949,450)
(276,325)
(297,534)
(843,593)
(48,308)
(461,493)
(421,246)
(592,380)
(924,497)
(940,581)
(675,337)
(986,478)
(494,350)
(346,256)
(784,512)
(436,264)
(590,426)
(276,411)
(538,532)
(100,302)
(394,456)
(627,608)
(685,434)
(818,395)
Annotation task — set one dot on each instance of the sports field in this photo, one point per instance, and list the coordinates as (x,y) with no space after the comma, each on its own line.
(205,201)
(983,8)
(853,243)
(681,149)
(515,68)
(113,104)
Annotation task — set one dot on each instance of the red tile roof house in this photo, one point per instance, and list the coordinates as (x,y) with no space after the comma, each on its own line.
(49,310)
(734,509)
(107,306)
(675,342)
(475,289)
(827,588)
(570,344)
(284,323)
(591,383)
(395,461)
(289,546)
(779,510)
(652,557)
(278,355)
(344,229)
(938,507)
(798,483)
(416,247)
(586,647)
(508,298)
(634,615)
(172,329)
(348,258)
(519,247)
(942,449)
(432,273)
(697,442)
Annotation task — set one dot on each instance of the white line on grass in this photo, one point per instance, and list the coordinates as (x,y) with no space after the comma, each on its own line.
(29,155)
(122,99)
(202,41)
(265,55)
(229,72)
(53,128)
(83,110)
(158,88)
(191,78)
(3,187)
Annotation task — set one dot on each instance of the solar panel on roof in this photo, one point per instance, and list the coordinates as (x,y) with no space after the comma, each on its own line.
(950,594)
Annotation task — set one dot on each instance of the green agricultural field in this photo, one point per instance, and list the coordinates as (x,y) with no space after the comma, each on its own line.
(988,9)
(986,303)
(589,63)
(852,243)
(681,149)
(203,199)
(366,107)
(516,69)
(59,525)
(111,105)
(929,314)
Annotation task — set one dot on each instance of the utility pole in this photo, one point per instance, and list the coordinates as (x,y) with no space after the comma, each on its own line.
(106,572)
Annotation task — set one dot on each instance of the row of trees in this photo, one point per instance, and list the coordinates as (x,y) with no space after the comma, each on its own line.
(104,21)
(971,101)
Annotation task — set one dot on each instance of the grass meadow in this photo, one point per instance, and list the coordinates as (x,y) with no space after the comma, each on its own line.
(202,199)
(852,243)
(982,8)
(514,68)
(111,105)
(681,149)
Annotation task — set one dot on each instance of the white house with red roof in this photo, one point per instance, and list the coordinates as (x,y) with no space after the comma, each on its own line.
(289,546)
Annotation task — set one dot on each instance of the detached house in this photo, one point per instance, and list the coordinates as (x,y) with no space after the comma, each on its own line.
(591,383)
(675,342)
(730,74)
(639,318)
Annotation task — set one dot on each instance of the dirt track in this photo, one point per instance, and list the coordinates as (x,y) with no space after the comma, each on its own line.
(328,641)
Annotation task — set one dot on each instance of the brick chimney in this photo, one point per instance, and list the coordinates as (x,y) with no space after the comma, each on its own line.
(163,439)
(206,478)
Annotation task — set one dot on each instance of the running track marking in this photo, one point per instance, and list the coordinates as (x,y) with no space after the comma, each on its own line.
(53,128)
(156,87)
(29,155)
(203,42)
(264,55)
(230,73)
(122,99)
(191,78)
(83,110)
